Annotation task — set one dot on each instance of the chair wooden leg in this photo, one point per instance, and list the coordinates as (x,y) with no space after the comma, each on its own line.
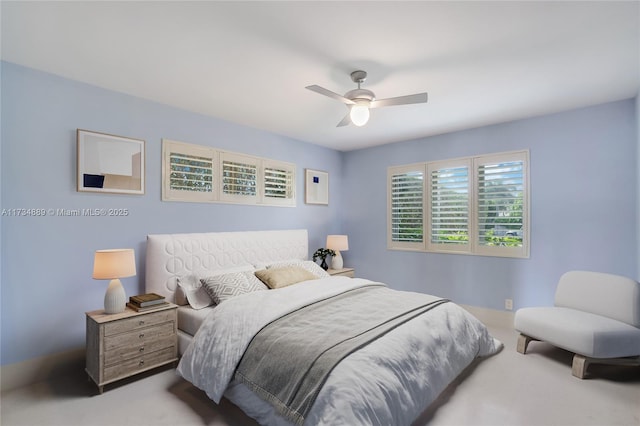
(523,342)
(579,366)
(580,363)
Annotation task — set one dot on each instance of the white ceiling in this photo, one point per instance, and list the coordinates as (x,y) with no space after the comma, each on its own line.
(249,62)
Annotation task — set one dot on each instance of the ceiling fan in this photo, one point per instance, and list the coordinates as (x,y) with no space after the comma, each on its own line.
(359,101)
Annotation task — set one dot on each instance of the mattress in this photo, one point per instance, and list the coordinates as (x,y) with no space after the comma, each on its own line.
(190,320)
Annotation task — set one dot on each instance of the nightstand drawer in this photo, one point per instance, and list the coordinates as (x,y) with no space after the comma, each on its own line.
(120,354)
(138,322)
(140,363)
(139,336)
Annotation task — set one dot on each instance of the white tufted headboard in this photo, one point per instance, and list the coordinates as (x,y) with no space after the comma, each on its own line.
(170,256)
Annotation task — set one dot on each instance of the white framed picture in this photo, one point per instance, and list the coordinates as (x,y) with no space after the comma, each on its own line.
(316,187)
(109,163)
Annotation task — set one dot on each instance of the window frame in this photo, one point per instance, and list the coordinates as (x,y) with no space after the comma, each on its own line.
(395,171)
(168,194)
(428,224)
(473,246)
(505,251)
(290,186)
(241,160)
(218,195)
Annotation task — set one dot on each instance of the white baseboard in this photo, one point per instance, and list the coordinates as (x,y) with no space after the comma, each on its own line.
(491,316)
(35,370)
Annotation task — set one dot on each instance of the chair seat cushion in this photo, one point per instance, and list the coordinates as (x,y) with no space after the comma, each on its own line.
(580,332)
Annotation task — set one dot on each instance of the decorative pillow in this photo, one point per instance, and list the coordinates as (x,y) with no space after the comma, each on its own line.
(310,266)
(285,276)
(180,296)
(194,292)
(225,286)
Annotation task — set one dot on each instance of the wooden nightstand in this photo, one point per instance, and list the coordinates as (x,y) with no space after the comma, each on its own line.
(344,272)
(124,344)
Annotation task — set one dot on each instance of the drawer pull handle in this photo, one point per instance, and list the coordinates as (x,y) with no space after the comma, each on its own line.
(141,335)
(141,362)
(141,349)
(141,322)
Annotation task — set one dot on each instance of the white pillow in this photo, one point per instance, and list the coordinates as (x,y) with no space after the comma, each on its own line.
(309,265)
(195,293)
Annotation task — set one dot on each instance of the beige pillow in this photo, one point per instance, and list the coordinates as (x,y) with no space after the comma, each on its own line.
(310,266)
(282,277)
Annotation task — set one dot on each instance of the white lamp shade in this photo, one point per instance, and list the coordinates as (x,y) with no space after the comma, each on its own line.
(337,242)
(359,115)
(114,263)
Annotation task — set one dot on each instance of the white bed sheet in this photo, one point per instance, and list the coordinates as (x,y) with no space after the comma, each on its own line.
(190,320)
(389,382)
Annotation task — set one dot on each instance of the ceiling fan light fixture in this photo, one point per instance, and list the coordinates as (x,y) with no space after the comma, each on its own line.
(359,114)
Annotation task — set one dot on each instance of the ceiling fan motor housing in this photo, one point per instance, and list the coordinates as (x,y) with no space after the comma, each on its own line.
(360,94)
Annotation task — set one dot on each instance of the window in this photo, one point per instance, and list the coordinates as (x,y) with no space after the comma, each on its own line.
(502,197)
(475,205)
(449,206)
(406,202)
(187,172)
(239,178)
(279,184)
(201,174)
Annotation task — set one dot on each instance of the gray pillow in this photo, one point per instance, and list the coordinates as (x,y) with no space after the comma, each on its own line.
(225,286)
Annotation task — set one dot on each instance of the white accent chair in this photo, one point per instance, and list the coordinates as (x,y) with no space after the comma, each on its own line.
(596,316)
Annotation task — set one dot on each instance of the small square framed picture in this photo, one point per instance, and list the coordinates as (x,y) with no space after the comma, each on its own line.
(316,187)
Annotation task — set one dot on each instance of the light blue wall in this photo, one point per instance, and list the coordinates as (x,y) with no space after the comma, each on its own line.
(47,261)
(581,216)
(583,207)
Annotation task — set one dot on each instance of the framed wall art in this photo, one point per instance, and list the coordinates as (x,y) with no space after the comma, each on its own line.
(109,163)
(316,187)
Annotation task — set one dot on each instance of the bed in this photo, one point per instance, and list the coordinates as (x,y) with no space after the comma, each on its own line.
(299,346)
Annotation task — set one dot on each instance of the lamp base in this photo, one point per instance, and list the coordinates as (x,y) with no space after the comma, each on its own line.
(115,300)
(336,262)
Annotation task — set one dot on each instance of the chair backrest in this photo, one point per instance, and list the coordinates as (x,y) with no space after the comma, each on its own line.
(608,295)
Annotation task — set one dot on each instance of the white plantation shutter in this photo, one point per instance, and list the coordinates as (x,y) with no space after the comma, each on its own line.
(239,178)
(406,207)
(201,174)
(449,202)
(188,172)
(279,183)
(473,205)
(502,204)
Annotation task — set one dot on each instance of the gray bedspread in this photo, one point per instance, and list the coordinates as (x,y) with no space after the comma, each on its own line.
(288,361)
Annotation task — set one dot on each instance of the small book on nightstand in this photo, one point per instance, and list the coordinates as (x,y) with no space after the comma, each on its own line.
(146,308)
(148,299)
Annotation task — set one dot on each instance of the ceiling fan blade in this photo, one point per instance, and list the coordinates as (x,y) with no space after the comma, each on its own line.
(330,94)
(418,98)
(345,121)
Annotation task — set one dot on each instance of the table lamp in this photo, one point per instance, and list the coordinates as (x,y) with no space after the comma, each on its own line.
(337,243)
(112,265)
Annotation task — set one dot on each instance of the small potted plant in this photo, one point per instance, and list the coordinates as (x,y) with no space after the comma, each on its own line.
(322,253)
